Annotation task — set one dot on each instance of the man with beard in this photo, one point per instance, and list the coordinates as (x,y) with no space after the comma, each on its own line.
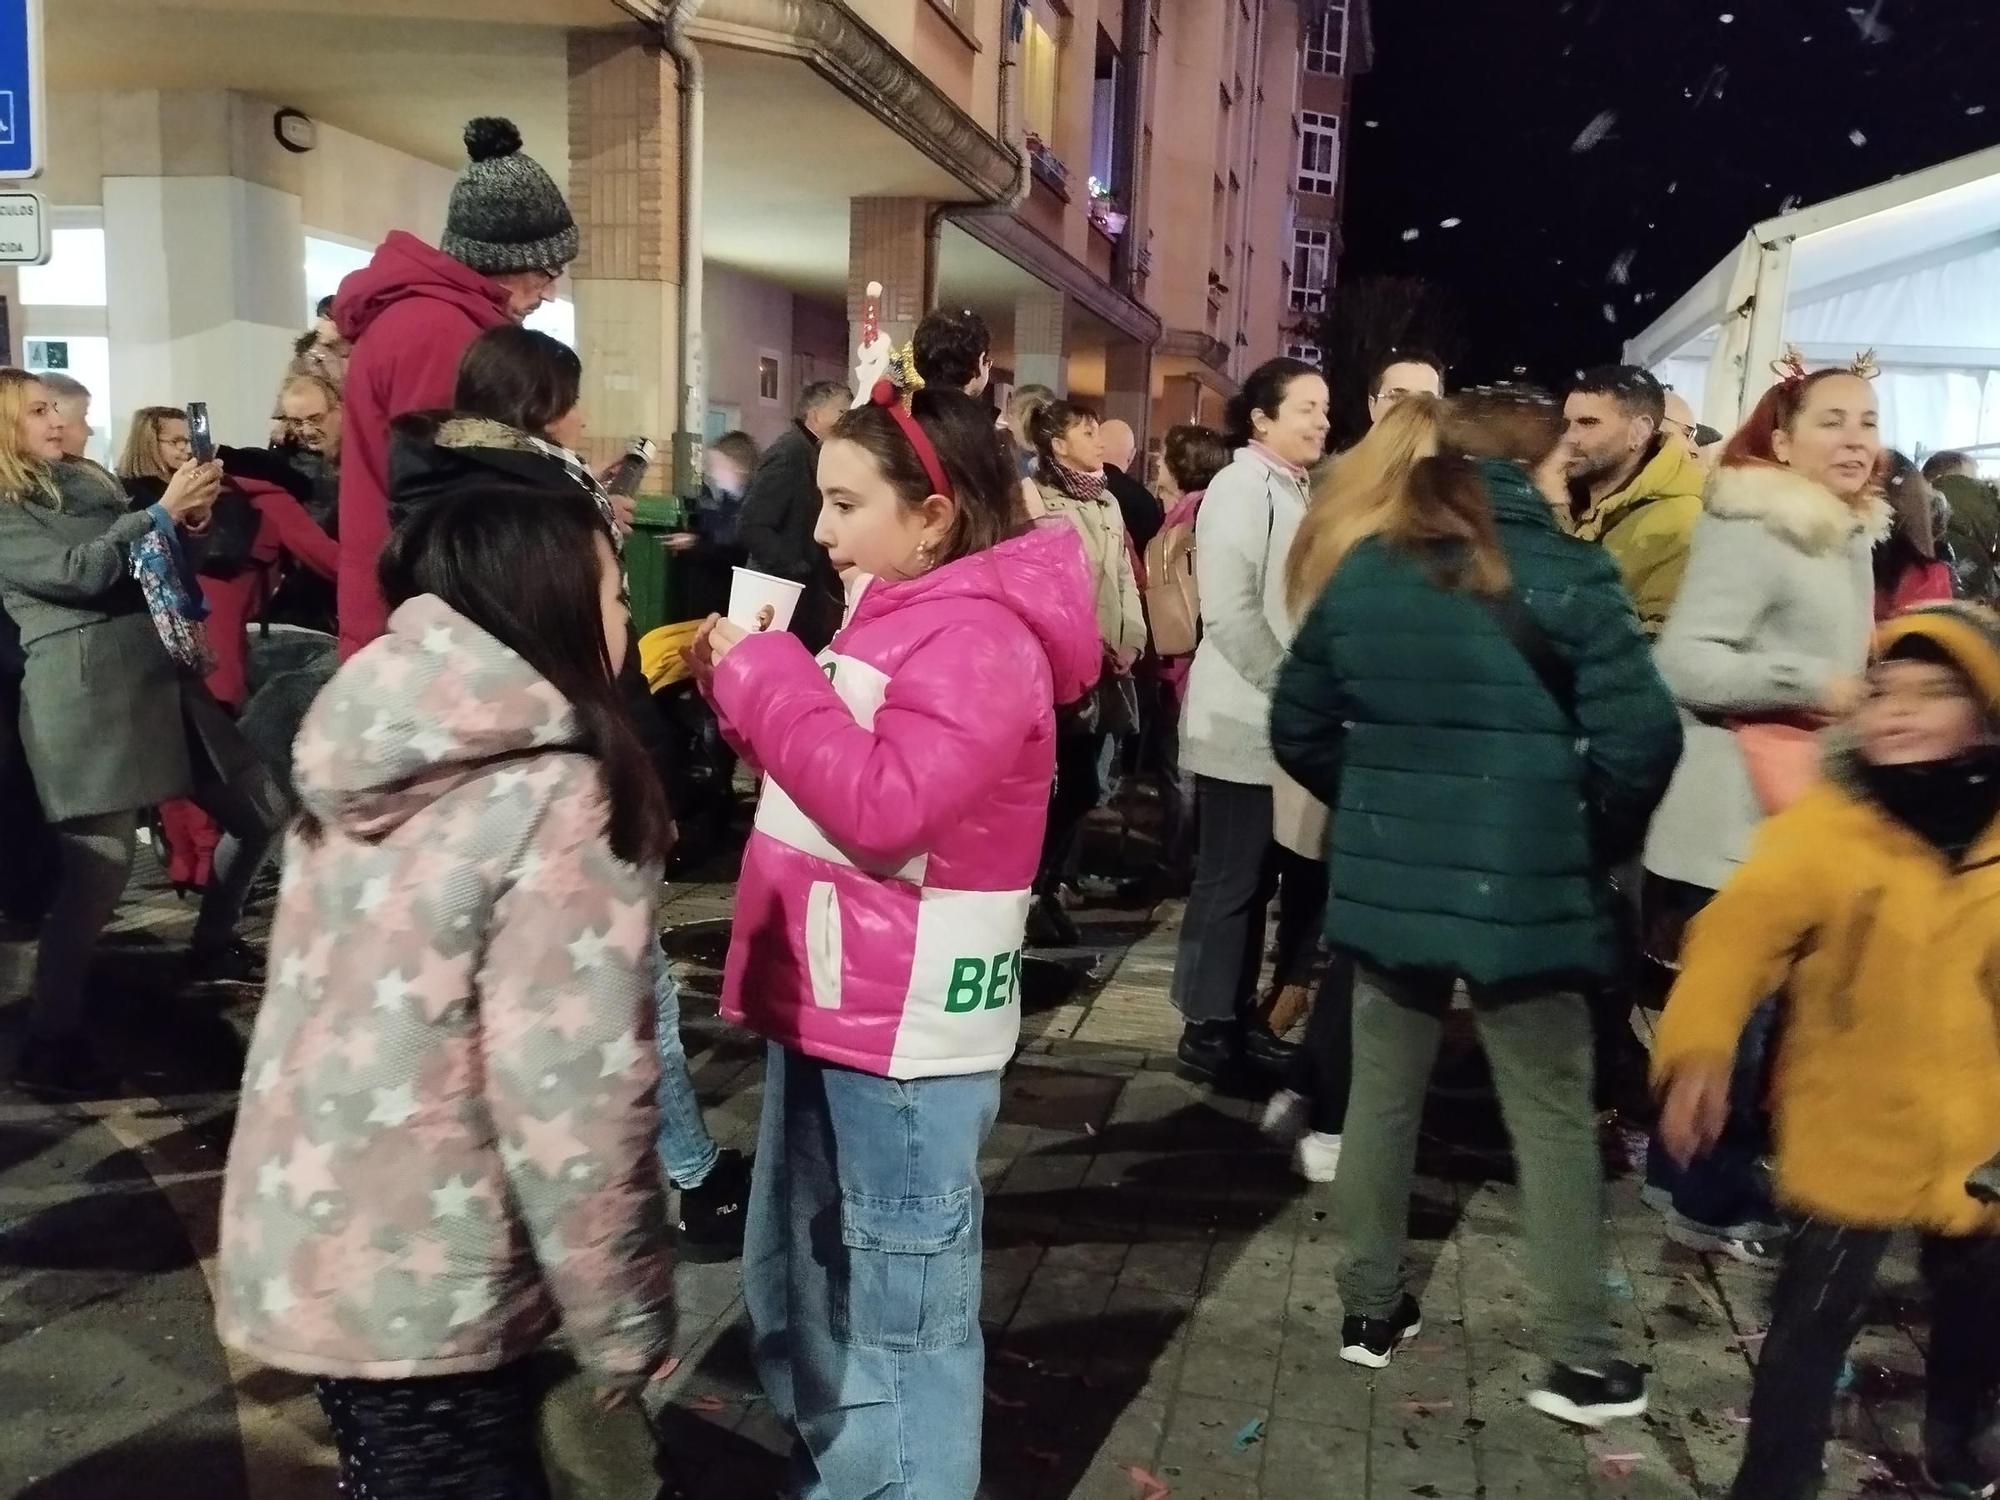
(1631,488)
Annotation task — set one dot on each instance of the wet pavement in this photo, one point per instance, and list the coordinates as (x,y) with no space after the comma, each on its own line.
(1159,1295)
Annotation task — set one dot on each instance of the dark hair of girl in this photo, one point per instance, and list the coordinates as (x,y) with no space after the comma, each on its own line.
(524,566)
(1449,518)
(518,376)
(1049,422)
(1194,456)
(1263,390)
(974,460)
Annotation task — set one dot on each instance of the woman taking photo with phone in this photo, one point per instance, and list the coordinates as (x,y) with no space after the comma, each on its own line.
(878,930)
(110,725)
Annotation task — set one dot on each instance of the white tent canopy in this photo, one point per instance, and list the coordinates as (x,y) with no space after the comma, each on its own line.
(1909,268)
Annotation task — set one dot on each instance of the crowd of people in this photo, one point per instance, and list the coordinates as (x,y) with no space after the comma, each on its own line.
(1540,707)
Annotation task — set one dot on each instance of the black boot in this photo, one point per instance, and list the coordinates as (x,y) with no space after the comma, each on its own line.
(1208,1049)
(1263,1048)
(62,1068)
(711,1223)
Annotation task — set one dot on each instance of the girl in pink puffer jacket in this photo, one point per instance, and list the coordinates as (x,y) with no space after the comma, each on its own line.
(878,930)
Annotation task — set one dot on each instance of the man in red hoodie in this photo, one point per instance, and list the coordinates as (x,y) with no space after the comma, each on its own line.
(410,315)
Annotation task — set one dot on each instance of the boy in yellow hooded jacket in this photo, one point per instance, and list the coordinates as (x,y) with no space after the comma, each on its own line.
(1871,905)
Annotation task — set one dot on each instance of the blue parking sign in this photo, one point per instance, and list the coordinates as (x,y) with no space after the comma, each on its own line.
(20,89)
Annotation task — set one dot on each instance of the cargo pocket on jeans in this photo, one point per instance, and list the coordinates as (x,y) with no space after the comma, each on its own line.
(909,1276)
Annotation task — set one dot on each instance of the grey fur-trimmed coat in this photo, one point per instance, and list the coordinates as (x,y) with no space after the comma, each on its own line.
(1778,603)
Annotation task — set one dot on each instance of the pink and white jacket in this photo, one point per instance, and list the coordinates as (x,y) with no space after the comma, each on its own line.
(886,885)
(445,1144)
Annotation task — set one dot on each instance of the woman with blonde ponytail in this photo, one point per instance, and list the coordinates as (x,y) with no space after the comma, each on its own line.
(1471,696)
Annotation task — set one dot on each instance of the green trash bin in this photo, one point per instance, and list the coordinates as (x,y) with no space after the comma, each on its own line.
(654,576)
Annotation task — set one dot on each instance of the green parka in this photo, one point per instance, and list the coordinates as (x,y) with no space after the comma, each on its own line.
(1474,820)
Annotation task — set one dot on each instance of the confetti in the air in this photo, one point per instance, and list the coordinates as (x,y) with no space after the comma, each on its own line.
(1610,313)
(1620,273)
(1726,19)
(1977,109)
(1859,137)
(1596,132)
(1869,23)
(1451,223)
(1410,234)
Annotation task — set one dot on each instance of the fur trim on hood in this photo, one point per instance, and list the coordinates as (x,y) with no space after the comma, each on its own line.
(1800,512)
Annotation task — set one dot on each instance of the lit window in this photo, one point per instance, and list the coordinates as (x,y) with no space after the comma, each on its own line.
(1310,353)
(557,319)
(328,263)
(1326,42)
(1312,255)
(1041,61)
(1319,152)
(74,276)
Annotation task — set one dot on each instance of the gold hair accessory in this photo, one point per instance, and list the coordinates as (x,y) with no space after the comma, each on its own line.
(1790,367)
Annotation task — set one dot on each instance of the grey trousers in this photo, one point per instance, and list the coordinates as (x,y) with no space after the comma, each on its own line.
(1540,1049)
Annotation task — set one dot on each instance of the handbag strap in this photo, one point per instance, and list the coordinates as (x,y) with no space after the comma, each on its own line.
(1551,668)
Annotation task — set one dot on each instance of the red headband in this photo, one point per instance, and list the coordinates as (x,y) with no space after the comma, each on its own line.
(886,396)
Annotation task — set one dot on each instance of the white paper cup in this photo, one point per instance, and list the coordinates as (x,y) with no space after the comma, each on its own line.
(757,601)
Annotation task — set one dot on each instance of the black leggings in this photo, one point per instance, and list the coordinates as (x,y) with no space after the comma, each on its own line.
(445,1437)
(1323,1067)
(1818,1307)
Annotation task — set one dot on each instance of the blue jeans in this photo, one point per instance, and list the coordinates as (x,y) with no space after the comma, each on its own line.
(687,1150)
(861,1273)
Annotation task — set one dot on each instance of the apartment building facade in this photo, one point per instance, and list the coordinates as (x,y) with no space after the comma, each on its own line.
(1125,189)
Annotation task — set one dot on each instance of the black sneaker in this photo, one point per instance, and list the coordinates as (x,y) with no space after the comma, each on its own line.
(1208,1049)
(1590,1398)
(711,1221)
(62,1069)
(1372,1341)
(231,961)
(1049,926)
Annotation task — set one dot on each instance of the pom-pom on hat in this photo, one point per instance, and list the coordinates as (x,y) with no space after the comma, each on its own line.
(507,214)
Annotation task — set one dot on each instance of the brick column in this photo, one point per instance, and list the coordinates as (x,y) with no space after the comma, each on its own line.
(624,150)
(1128,386)
(886,243)
(1040,347)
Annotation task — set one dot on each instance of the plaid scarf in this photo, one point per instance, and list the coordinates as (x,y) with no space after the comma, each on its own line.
(1079,486)
(589,482)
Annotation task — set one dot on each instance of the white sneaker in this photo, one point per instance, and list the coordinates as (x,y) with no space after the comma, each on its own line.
(1317,1156)
(1285,1117)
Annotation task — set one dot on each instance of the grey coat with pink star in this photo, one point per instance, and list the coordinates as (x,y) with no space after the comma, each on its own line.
(446,1139)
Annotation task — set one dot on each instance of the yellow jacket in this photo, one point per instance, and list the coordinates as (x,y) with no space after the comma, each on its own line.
(1647,528)
(1887,1090)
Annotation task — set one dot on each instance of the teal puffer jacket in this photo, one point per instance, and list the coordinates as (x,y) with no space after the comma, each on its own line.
(1473,818)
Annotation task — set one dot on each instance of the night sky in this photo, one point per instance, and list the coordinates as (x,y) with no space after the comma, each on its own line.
(1604,154)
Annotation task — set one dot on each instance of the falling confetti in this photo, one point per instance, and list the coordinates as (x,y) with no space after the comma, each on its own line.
(1620,273)
(1977,109)
(1043,1457)
(1372,124)
(1410,234)
(1596,132)
(1452,223)
(666,1371)
(1610,313)
(1004,1403)
(1859,137)
(1727,19)
(1869,23)
(1792,201)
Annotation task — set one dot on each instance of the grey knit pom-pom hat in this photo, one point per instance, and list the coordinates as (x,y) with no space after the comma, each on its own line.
(506,212)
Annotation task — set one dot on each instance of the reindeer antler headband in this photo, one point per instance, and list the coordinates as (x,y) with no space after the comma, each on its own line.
(1790,368)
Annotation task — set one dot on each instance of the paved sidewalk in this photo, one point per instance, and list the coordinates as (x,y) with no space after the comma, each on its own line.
(1159,1296)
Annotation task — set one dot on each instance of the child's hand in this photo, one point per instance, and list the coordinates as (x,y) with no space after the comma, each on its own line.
(1695,1110)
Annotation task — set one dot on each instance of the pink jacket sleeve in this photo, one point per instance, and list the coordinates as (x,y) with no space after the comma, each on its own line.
(950,726)
(565,990)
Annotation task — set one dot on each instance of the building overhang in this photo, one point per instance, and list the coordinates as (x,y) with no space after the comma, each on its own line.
(1034,252)
(853,57)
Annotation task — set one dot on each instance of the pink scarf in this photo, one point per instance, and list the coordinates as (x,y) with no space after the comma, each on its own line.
(1283,465)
